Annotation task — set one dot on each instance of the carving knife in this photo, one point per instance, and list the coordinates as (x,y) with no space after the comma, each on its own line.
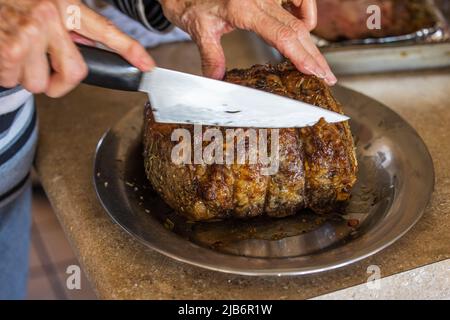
(178,97)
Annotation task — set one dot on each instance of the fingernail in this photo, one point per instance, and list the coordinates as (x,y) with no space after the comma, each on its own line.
(146,63)
(317,71)
(331,79)
(320,73)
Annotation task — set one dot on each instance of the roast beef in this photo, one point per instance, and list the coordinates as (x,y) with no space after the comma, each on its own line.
(347,19)
(317,164)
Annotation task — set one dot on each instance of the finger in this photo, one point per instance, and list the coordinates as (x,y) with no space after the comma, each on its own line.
(306,10)
(77,38)
(35,70)
(98,28)
(13,45)
(285,39)
(69,68)
(67,63)
(12,53)
(25,59)
(304,37)
(309,45)
(212,56)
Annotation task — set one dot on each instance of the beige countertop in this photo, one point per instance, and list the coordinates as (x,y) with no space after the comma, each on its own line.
(428,282)
(120,267)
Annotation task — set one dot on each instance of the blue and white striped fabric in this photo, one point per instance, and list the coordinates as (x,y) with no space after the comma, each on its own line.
(147,12)
(18,136)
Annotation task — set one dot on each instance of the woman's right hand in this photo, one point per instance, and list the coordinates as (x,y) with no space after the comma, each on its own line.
(32,32)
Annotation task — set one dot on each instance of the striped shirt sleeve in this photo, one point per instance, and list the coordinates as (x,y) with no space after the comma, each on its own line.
(18,135)
(147,12)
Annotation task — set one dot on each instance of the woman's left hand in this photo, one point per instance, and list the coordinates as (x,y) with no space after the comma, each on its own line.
(287,30)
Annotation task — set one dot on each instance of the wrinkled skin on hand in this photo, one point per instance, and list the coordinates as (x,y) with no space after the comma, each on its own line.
(285,27)
(32,30)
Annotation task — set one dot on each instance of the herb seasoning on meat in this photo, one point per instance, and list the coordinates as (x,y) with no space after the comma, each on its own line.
(317,167)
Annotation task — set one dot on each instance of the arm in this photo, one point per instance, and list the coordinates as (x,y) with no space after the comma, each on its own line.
(32,30)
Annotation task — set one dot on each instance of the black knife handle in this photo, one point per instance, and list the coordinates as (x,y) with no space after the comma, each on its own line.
(109,70)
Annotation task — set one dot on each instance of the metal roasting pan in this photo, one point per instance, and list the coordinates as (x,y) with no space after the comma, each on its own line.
(427,48)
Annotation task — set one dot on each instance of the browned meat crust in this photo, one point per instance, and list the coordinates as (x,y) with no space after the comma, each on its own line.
(317,164)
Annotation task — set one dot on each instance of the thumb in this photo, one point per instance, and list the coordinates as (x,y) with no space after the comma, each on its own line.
(213,57)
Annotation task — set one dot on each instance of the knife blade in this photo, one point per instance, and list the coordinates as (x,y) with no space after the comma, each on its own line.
(178,97)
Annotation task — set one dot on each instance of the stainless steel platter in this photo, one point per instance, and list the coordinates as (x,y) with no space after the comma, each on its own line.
(395,181)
